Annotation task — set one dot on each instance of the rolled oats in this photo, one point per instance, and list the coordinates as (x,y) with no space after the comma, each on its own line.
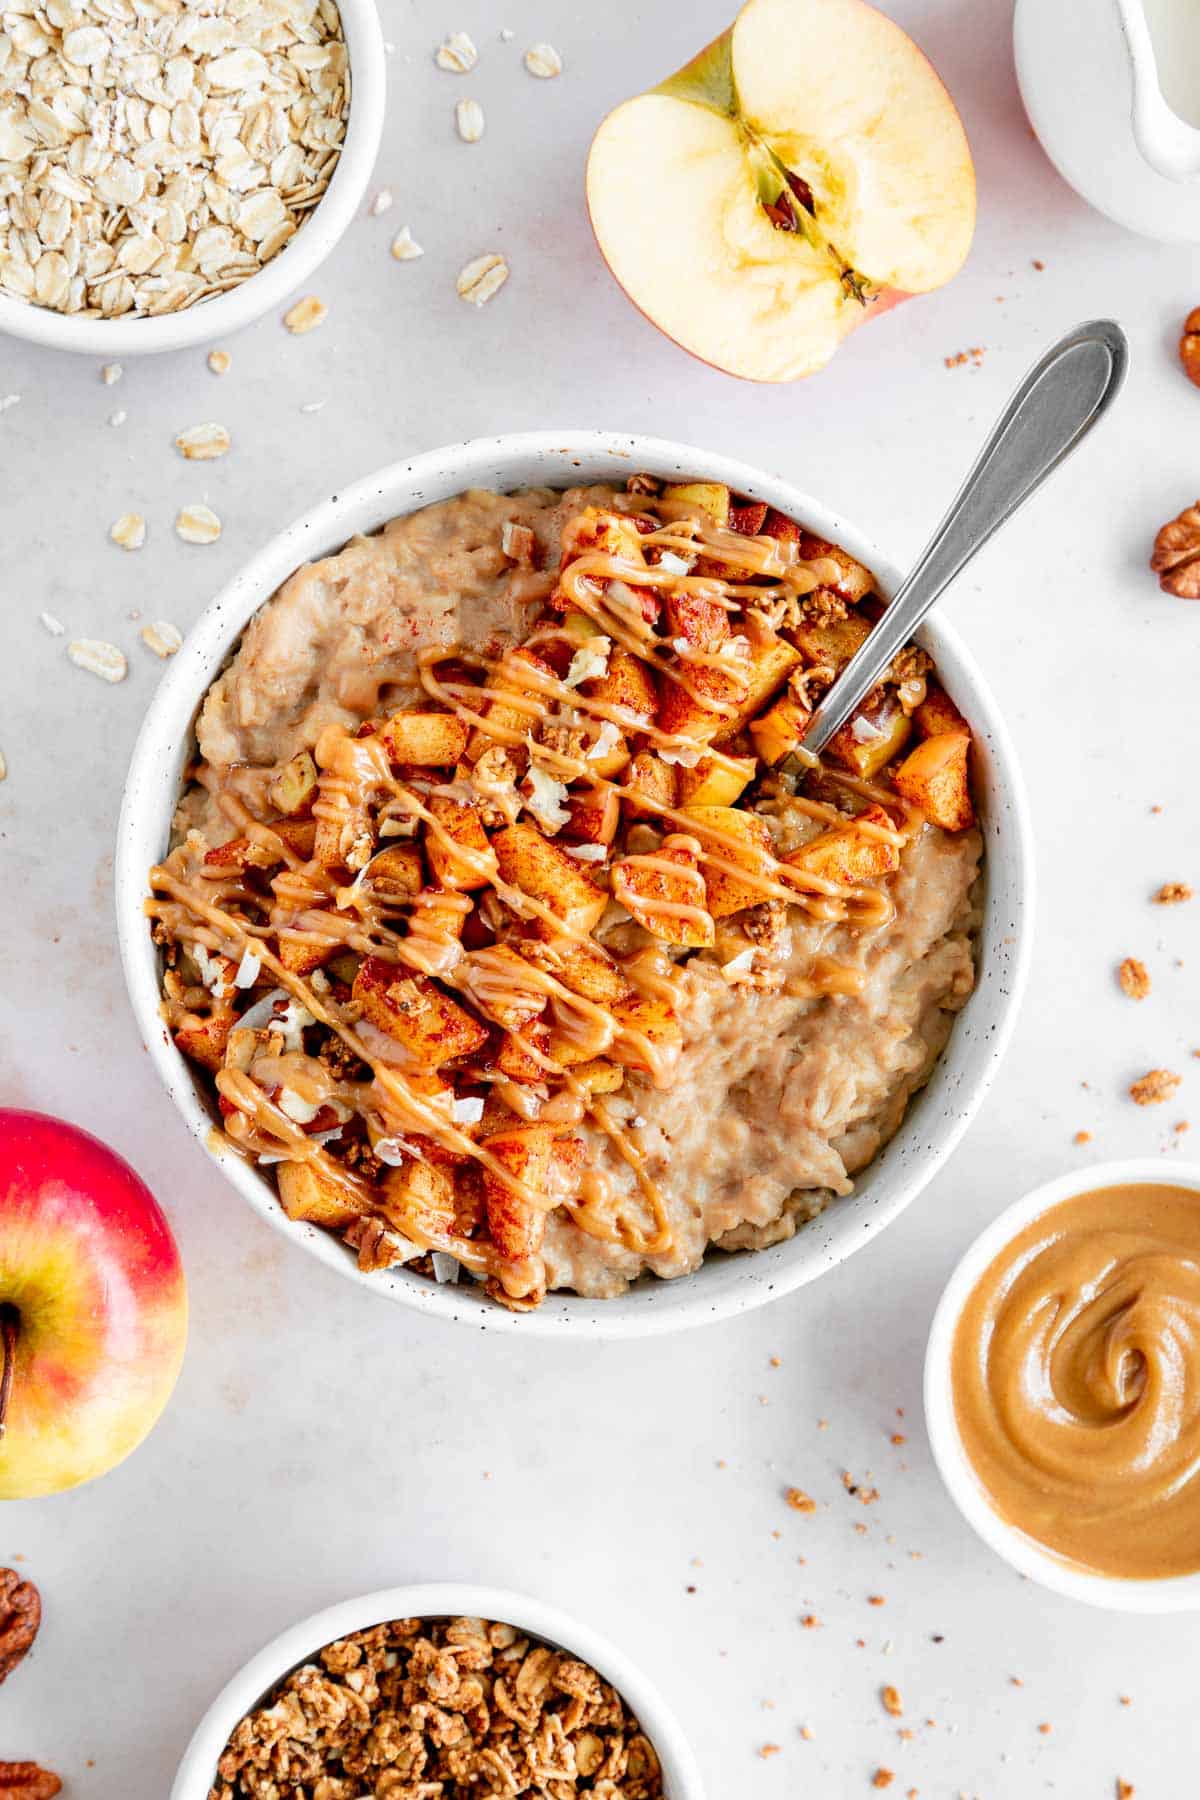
(468,116)
(219,361)
(3,767)
(201,443)
(98,658)
(162,637)
(306,315)
(422,1708)
(457,55)
(405,247)
(54,626)
(380,203)
(129,132)
(129,531)
(198,525)
(543,61)
(111,373)
(481,278)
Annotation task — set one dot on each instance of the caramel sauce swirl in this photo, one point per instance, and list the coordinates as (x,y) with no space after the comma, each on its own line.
(1076,1380)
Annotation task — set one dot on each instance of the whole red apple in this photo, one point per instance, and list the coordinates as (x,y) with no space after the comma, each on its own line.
(93,1307)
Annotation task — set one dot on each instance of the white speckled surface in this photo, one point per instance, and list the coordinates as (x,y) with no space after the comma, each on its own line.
(319,1445)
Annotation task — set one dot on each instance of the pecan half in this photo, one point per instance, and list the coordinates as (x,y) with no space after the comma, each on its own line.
(26,1781)
(1176,556)
(1189,346)
(20,1618)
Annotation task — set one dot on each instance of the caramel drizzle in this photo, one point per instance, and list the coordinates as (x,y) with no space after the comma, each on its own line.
(356,773)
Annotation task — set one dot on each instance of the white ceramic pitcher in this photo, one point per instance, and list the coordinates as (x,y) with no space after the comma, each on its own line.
(1112,88)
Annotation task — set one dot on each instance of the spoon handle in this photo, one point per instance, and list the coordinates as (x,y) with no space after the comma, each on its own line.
(1054,408)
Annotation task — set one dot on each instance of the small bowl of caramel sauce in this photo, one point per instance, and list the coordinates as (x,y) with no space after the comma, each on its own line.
(1062,1386)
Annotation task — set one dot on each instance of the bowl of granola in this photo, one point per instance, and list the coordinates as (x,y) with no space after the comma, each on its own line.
(490,928)
(440,1689)
(164,180)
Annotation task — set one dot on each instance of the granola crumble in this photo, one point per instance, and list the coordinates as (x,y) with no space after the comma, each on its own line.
(1173,893)
(1134,978)
(1152,1089)
(439,1709)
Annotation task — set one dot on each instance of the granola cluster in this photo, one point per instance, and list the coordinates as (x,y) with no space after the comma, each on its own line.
(440,1709)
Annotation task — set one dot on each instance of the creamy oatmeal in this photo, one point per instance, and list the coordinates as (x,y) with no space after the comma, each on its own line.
(515,930)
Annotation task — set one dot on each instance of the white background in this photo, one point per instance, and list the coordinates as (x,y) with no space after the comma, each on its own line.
(319,1444)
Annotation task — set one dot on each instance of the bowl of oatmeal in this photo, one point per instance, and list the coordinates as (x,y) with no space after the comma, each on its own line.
(166,180)
(490,929)
(465,1689)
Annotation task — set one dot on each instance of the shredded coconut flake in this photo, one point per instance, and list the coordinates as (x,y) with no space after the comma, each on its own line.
(687,755)
(467,1111)
(546,798)
(258,1016)
(589,661)
(587,852)
(606,740)
(247,970)
(392,1151)
(673,563)
(862,730)
(446,1268)
(297,1108)
(741,964)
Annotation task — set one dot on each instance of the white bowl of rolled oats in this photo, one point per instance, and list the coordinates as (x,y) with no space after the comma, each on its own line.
(467,1689)
(166,175)
(747,1185)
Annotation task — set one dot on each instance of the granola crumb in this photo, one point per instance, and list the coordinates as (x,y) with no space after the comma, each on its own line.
(974,356)
(1124,1789)
(810,1622)
(1038,264)
(776,1362)
(1173,893)
(766,1750)
(1153,1088)
(876,1600)
(1134,979)
(807,1733)
(1125,1699)
(883,1778)
(1045,1728)
(799,1501)
(1082,1137)
(1015,1681)
(899,1438)
(1182,1125)
(892,1703)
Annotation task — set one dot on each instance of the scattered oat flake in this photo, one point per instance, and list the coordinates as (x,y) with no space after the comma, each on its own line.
(162,637)
(201,443)
(543,61)
(1152,1089)
(3,767)
(1133,978)
(312,406)
(468,116)
(129,531)
(767,1750)
(98,658)
(807,1733)
(883,1778)
(457,55)
(892,1703)
(198,524)
(111,373)
(1173,893)
(799,1501)
(381,202)
(119,417)
(54,626)
(482,277)
(7,400)
(306,315)
(219,361)
(973,356)
(405,247)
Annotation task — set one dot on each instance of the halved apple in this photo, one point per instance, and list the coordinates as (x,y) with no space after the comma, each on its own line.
(804,172)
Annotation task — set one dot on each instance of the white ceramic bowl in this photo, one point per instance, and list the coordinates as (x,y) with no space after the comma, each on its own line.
(295,264)
(1180,1593)
(937,1118)
(301,1642)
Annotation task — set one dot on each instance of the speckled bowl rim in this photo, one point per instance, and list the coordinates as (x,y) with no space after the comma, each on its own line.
(429,1601)
(295,264)
(1176,1593)
(937,1118)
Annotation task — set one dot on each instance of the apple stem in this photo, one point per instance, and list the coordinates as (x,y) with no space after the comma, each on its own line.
(10,1330)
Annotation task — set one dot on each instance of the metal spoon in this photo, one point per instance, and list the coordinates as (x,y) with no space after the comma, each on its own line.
(1051,412)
